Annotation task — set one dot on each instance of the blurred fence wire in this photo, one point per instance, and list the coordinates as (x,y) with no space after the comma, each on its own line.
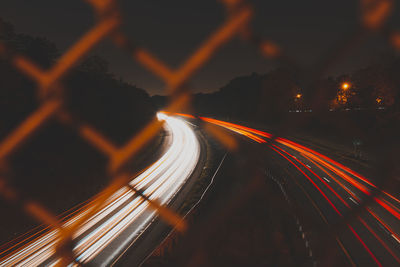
(50,95)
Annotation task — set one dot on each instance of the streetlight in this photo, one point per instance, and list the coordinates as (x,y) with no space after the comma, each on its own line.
(345,86)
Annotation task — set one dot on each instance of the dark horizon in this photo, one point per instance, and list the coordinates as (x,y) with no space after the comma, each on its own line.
(294,29)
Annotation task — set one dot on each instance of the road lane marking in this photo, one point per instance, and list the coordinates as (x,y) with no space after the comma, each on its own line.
(308,166)
(350,190)
(395,238)
(384,228)
(194,125)
(347,188)
(326,179)
(355,202)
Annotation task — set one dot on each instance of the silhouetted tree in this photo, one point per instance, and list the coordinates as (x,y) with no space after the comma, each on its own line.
(55,165)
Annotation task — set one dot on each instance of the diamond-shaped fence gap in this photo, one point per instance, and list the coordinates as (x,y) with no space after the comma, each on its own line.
(17,98)
(58,15)
(207,15)
(116,109)
(38,168)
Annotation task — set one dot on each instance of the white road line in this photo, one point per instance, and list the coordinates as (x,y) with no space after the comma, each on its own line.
(194,125)
(384,228)
(355,202)
(395,238)
(326,179)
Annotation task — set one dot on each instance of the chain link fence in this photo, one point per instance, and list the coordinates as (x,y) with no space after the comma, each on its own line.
(51,90)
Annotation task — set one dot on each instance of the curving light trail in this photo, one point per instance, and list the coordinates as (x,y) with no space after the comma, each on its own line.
(381,221)
(112,229)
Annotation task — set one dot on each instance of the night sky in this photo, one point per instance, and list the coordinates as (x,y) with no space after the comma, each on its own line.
(172,29)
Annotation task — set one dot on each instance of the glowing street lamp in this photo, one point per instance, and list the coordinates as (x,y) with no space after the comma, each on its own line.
(298,96)
(345,86)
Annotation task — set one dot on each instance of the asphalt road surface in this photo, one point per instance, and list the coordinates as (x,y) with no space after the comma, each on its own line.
(331,191)
(327,188)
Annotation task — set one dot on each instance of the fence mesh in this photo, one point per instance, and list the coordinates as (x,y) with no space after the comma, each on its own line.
(50,94)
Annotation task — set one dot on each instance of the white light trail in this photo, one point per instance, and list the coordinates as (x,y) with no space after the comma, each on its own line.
(124,210)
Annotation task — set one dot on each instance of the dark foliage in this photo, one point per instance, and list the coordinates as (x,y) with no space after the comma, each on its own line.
(56,166)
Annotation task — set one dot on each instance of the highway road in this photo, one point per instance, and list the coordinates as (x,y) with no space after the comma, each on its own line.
(106,235)
(332,191)
(324,186)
